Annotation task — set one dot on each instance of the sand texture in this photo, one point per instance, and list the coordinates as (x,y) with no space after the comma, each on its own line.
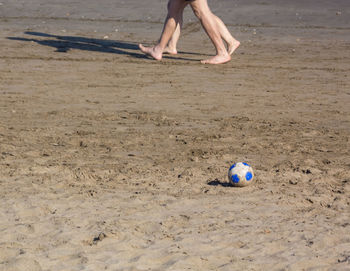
(112,161)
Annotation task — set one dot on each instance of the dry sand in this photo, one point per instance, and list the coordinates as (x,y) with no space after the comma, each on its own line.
(112,161)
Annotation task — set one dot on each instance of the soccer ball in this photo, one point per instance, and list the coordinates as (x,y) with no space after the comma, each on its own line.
(240,174)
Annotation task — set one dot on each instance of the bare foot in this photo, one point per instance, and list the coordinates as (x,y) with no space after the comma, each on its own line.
(218,59)
(154,52)
(232,46)
(171,51)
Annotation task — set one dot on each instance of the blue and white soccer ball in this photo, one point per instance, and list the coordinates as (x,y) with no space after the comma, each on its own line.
(240,174)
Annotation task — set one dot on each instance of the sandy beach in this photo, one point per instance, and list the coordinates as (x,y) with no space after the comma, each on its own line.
(110,160)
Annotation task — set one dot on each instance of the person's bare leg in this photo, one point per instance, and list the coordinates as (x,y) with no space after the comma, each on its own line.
(173,18)
(232,43)
(204,14)
(157,51)
(172,44)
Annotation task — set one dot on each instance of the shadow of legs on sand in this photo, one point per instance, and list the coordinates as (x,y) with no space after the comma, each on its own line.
(63,44)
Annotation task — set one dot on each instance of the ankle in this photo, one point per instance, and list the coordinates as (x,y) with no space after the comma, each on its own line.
(222,53)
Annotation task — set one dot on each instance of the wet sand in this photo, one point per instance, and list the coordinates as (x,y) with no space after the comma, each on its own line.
(112,161)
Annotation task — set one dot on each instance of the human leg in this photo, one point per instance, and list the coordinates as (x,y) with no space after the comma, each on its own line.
(172,44)
(175,8)
(207,19)
(232,43)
